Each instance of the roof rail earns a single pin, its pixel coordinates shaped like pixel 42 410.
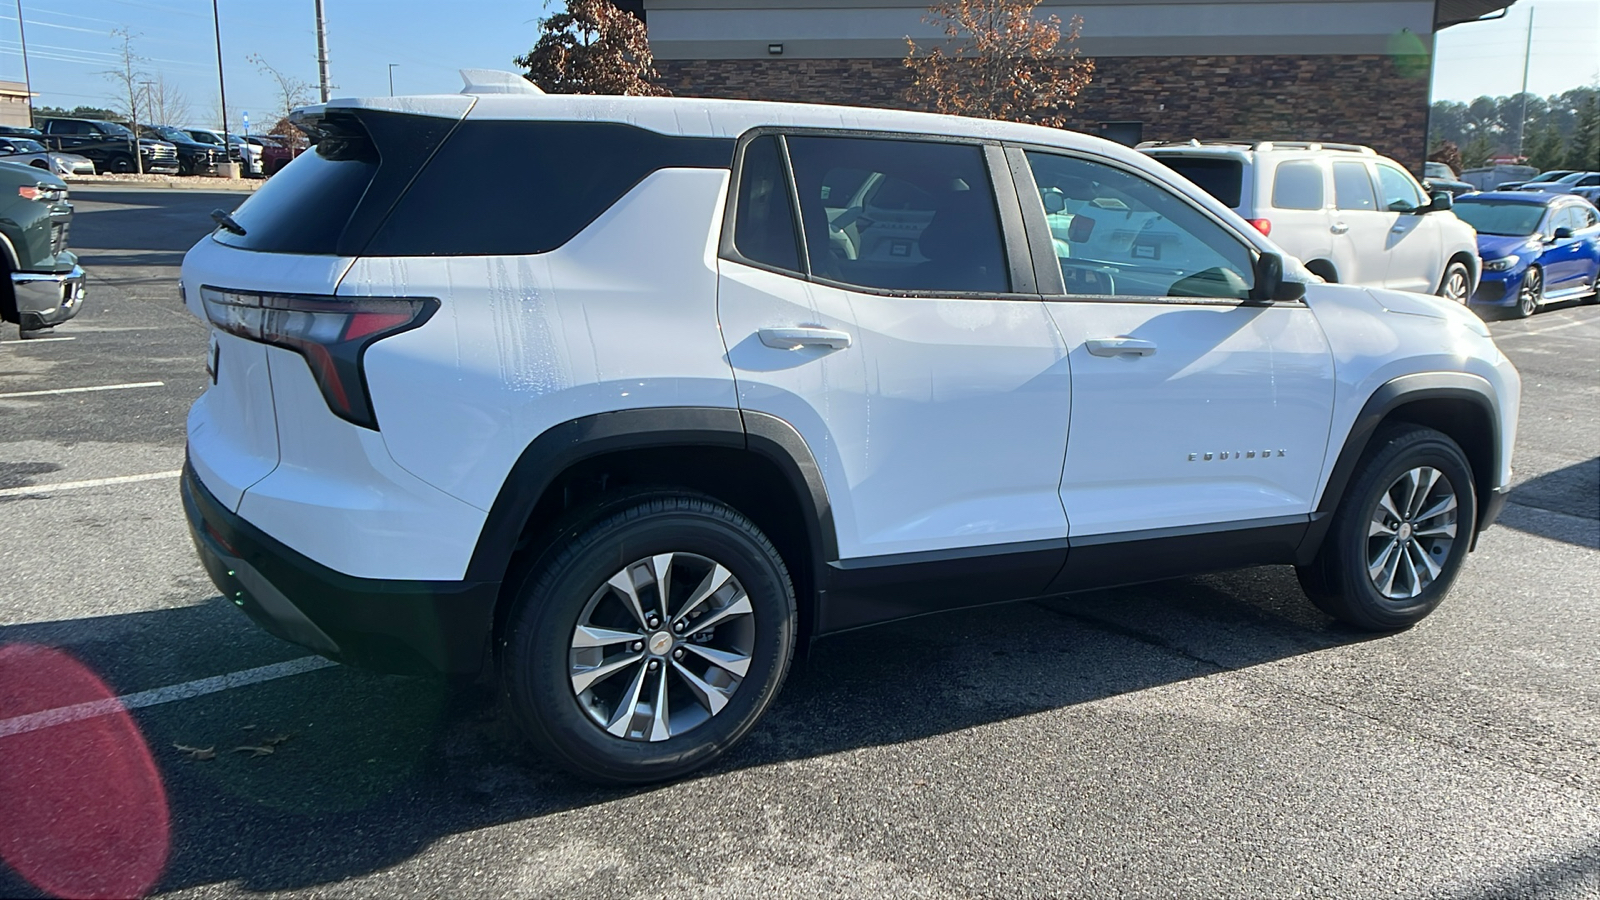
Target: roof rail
pixel 1315 145
pixel 1263 146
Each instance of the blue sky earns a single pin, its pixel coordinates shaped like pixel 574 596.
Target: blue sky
pixel 69 45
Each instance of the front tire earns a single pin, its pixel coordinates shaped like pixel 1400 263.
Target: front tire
pixel 1457 283
pixel 1531 295
pixel 621 682
pixel 1399 535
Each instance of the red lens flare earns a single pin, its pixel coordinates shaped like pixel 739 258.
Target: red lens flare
pixel 85 810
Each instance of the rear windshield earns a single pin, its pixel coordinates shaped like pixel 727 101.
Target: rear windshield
pixel 390 184
pixel 1221 178
pixel 304 208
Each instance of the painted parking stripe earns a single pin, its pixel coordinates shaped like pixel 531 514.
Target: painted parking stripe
pixel 85 390
pixel 37 341
pixel 89 483
pixel 61 715
pixel 1501 337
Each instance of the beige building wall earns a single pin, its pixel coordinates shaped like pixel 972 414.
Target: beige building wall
pixel 14 104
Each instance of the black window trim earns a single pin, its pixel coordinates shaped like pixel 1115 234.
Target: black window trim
pixel 1008 207
pixel 1033 215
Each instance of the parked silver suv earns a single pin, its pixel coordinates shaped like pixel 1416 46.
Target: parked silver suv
pixel 1350 215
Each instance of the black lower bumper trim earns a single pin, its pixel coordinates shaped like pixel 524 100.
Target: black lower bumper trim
pixel 405 627
pixel 1493 504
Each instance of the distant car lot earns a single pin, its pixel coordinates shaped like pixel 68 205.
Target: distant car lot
pixel 1207 737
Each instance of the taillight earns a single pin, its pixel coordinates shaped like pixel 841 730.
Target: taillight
pixel 1262 225
pixel 331 333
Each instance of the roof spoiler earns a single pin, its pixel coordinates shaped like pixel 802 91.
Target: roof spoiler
pixel 494 81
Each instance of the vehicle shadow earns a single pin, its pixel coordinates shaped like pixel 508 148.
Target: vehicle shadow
pixel 373 770
pixel 1572 493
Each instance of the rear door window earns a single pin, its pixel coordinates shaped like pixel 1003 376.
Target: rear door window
pixel 899 215
pixel 1297 185
pixel 1352 187
pixel 1221 178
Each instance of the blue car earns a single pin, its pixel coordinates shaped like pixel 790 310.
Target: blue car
pixel 1536 248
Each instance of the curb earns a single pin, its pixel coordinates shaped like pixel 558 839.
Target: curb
pixel 163 182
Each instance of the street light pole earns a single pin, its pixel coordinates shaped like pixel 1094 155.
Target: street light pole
pixel 27 80
pixel 1527 55
pixel 391 73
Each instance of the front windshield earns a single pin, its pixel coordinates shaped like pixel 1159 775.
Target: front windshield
pixel 1574 178
pixel 205 137
pixel 116 130
pixel 171 134
pixel 1506 219
pixel 24 145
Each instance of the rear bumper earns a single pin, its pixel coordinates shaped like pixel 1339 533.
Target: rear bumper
pixel 45 298
pixel 405 627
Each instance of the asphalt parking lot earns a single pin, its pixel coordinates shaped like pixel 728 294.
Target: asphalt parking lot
pixel 1211 737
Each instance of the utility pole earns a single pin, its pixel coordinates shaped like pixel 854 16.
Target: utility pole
pixel 222 88
pixel 27 80
pixel 322 50
pixel 1527 56
pixel 391 78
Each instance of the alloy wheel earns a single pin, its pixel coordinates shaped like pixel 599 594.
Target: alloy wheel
pixel 662 646
pixel 1531 293
pixel 1411 532
pixel 1455 286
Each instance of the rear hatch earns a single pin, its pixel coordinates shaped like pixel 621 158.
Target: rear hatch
pixel 293 241
pixel 1219 173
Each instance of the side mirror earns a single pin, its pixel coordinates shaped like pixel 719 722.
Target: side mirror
pixel 1442 200
pixel 1270 287
pixel 1563 233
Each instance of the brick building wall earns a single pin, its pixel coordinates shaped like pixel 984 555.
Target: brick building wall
pixel 1363 99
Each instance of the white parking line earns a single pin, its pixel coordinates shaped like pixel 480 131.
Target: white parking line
pixel 61 715
pixel 37 341
pixel 85 390
pixel 89 483
pixel 1501 337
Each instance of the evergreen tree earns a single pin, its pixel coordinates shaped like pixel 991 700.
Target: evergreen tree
pixel 1583 151
pixel 1547 150
pixel 1477 151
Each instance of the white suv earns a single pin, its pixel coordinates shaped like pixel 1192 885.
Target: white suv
pixel 1350 215
pixel 705 379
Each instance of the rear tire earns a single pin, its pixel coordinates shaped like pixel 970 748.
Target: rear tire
pixel 1393 551
pixel 667 700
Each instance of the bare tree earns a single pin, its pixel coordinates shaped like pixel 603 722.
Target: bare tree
pixel 291 91
pixel 165 103
pixel 128 78
pixel 592 48
pixel 999 61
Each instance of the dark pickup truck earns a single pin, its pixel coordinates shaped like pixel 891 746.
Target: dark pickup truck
pixel 110 145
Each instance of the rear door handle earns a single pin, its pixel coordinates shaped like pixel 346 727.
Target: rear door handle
pixel 1120 346
pixel 1339 228
pixel 793 338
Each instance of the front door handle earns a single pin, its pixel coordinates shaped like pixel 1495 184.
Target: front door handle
pixel 1398 229
pixel 794 338
pixel 1339 228
pixel 1120 346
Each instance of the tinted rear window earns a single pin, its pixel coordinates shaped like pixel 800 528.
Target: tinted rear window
pixel 1221 178
pixel 513 187
pixel 304 208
